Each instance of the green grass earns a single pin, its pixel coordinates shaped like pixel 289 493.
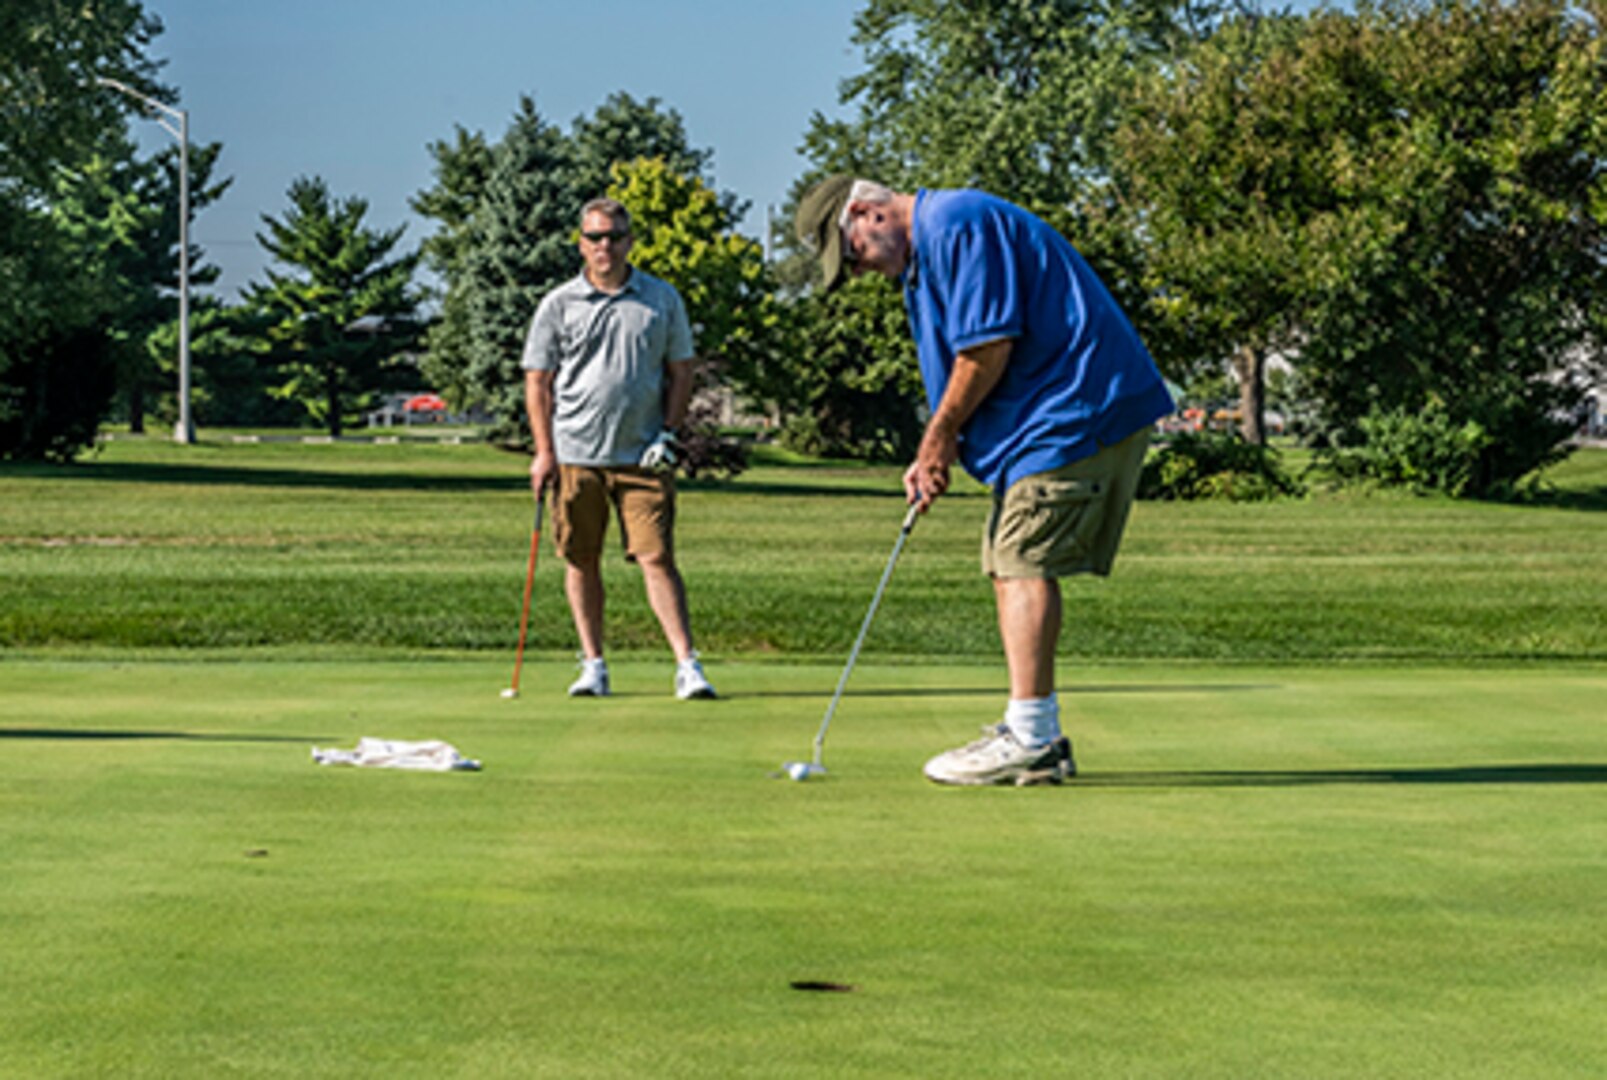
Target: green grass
pixel 1289 871
pixel 1340 811
pixel 358 550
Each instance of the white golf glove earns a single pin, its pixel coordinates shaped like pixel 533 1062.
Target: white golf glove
pixel 662 452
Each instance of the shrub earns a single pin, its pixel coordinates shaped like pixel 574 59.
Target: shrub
pixel 1425 450
pixel 1434 450
pixel 1215 465
pixel 53 400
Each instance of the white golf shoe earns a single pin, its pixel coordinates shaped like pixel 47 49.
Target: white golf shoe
pixel 999 758
pixel 593 681
pixel 690 682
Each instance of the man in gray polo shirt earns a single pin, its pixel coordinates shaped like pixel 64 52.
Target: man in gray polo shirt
pixel 608 376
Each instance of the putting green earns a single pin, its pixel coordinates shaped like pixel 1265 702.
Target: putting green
pixel 1267 871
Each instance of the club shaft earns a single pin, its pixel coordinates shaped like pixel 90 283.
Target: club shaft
pixel 530 580
pixel 864 628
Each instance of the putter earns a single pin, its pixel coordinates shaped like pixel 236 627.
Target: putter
pixel 807 770
pixel 524 616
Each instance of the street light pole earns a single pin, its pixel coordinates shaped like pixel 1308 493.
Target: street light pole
pixel 184 430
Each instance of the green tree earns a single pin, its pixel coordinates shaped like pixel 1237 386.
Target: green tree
pixel 685 234
pixel 624 130
pixel 519 245
pixel 507 214
pixel 1014 96
pixel 340 319
pixel 51 110
pixel 1227 168
pixel 854 387
pixel 119 216
pixel 56 364
pixel 1485 152
pixel 1018 97
pixel 462 169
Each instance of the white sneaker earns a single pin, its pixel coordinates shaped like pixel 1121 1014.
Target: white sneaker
pixel 999 758
pixel 593 681
pixel 690 682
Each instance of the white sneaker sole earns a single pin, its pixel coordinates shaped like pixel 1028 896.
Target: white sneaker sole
pixel 1055 772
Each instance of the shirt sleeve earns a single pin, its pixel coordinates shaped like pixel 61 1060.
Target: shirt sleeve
pixel 544 338
pixel 986 302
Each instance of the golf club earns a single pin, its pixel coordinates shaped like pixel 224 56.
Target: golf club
pixel 805 770
pixel 524 616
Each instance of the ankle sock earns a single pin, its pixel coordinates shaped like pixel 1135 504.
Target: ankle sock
pixel 1034 722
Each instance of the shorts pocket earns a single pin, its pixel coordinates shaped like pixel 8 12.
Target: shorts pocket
pixel 1049 522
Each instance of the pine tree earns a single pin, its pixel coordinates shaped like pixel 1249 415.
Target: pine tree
pixel 520 244
pixel 339 322
pixel 509 216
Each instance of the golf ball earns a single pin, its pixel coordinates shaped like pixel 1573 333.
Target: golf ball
pixel 798 770
pixel 510 692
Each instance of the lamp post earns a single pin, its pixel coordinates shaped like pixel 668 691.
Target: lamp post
pixel 184 431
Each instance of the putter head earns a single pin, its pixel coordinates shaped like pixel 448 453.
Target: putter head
pixel 803 770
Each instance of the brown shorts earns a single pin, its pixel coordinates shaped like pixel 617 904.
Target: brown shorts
pixel 643 499
pixel 1065 521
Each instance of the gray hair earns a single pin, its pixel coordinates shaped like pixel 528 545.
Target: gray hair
pixel 864 191
pixel 613 209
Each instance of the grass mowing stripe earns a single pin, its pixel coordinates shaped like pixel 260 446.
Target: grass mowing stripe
pixel 363 547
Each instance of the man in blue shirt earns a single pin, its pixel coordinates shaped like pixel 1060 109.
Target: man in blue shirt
pixel 1039 387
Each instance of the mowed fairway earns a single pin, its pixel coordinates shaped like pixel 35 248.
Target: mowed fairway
pixel 1284 871
pixel 1343 810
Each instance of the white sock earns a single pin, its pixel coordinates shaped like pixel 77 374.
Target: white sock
pixel 1034 722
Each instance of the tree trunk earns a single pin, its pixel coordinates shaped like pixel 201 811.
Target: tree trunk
pixel 332 400
pixel 1250 365
pixel 136 409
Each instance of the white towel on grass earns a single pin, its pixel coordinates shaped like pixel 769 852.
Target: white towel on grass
pixel 431 755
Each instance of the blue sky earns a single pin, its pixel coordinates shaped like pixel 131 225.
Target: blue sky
pixel 355 90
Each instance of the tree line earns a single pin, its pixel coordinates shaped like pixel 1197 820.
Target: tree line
pixel 1403 202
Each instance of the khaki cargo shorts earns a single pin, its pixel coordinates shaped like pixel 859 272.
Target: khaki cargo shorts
pixel 1065 521
pixel 643 499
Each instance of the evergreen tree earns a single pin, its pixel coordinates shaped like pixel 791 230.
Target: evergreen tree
pixel 508 215
pixel 56 363
pixel 121 220
pixel 624 130
pixel 462 168
pixel 338 323
pixel 520 243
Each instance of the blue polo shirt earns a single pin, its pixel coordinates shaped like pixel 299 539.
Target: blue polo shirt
pixel 1078 377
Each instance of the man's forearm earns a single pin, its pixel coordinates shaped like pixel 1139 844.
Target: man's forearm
pixel 538 408
pixel 678 392
pixel 976 372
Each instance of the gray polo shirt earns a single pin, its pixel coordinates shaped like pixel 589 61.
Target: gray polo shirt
pixel 609 352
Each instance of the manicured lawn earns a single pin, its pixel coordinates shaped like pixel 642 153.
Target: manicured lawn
pixel 1340 811
pixel 1266 871
pixel 373 550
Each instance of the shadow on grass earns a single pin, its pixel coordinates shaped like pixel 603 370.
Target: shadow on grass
pixel 1594 500
pixel 1457 774
pixel 854 487
pixel 88 735
pixel 1002 687
pixel 200 474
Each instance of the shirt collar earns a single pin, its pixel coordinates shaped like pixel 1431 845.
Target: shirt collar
pixel 629 286
pixel 911 277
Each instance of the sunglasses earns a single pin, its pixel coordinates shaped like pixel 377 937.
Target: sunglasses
pixel 615 235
